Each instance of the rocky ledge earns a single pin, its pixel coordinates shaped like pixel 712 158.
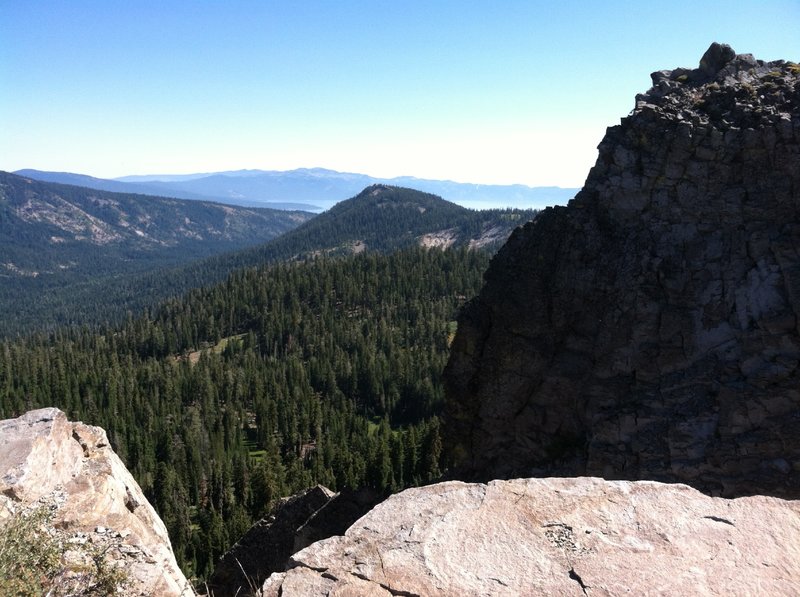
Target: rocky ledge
pixel 581 536
pixel 649 330
pixel 69 470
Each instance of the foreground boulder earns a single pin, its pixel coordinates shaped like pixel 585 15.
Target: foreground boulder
pixel 582 536
pixel 649 330
pixel 93 503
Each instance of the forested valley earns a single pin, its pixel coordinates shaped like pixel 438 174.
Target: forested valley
pixel 71 254
pixel 49 279
pixel 321 371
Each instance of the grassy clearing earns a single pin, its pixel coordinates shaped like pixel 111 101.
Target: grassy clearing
pixel 217 348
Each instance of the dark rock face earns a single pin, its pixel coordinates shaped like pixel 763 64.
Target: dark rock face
pixel 265 548
pixel 649 330
pixel 295 523
pixel 715 58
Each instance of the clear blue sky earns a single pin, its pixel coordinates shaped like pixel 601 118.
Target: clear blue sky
pixel 488 92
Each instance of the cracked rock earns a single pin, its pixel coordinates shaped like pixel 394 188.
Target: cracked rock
pixel 581 536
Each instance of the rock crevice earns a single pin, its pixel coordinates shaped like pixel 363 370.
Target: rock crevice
pixel 294 523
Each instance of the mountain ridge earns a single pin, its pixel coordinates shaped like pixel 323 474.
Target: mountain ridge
pixel 316 189
pixel 68 216
pixel 155 188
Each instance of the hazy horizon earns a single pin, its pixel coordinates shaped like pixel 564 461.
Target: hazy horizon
pixel 165 176
pixel 514 93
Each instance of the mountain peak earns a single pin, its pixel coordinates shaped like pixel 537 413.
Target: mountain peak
pixel 383 218
pixel 728 89
pixel 399 194
pixel 377 189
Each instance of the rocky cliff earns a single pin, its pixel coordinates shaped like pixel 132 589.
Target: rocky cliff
pixel 649 330
pixel 97 519
pixel 556 537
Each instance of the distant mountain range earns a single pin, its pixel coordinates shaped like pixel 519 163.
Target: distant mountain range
pixel 311 189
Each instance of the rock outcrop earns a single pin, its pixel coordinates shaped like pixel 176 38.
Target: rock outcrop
pixel 649 330
pixel 578 537
pixel 70 469
pixel 294 523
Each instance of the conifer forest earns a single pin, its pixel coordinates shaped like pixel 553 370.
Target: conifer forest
pixel 284 376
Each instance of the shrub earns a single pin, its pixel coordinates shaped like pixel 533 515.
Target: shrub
pixel 33 562
pixel 30 557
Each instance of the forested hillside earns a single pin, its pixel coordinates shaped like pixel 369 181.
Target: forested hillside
pixel 384 218
pixel 47 229
pixel 56 240
pixel 322 371
pixel 380 219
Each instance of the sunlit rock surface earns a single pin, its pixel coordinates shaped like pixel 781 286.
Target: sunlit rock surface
pixel 580 536
pixel 70 468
